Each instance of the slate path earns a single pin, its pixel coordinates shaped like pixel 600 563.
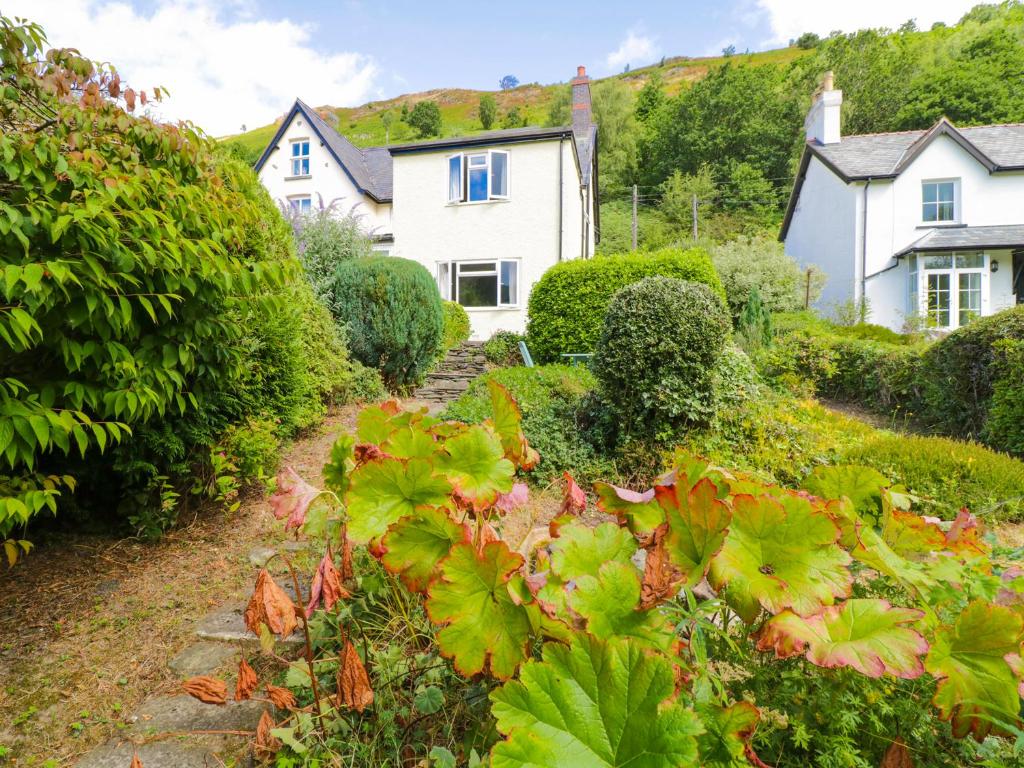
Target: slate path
pixel 175 731
pixel 451 378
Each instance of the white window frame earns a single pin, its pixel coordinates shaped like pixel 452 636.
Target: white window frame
pixel 464 169
pixel 300 158
pixel 924 272
pixel 447 275
pixel 296 203
pixel 937 222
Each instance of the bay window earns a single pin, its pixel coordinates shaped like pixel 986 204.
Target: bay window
pixel 300 157
pixel 479 284
pixel 953 286
pixel 476 177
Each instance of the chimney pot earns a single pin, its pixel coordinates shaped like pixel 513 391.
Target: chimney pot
pixel 581 71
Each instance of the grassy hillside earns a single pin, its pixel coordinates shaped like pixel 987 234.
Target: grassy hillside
pixel 364 127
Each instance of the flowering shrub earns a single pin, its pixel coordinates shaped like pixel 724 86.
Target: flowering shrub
pixel 588 658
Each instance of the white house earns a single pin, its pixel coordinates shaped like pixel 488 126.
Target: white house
pixel 487 214
pixel 924 224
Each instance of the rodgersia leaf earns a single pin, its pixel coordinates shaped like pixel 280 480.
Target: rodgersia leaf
pixel 416 544
pixel 976 682
pixel 508 424
pixel 483 625
pixel 384 490
pixel 697 522
pixel 638 511
pixel 610 604
pixel 580 550
pixel 594 703
pixel 861 485
pixel 871 636
pixel 780 553
pixel 728 731
pixel 476 467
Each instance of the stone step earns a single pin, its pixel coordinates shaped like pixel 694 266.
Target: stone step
pixel 228 626
pixel 158 754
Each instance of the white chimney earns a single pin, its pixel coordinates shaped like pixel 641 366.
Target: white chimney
pixel 822 122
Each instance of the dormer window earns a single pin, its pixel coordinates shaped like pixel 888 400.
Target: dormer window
pixel 938 201
pixel 300 157
pixel 476 177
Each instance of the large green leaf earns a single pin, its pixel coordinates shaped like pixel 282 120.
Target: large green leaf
pixel 476 466
pixel 780 553
pixel 483 625
pixel 597 704
pixel 610 604
pixel 384 490
pixel 871 636
pixel 697 523
pixel 581 550
pixel 861 485
pixel 638 511
pixel 977 684
pixel 508 424
pixel 415 545
pixel 728 731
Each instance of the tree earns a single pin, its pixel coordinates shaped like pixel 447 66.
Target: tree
pixel 387 118
pixel 488 111
pixel 650 98
pixel 677 195
pixel 807 41
pixel 513 119
pixel 508 82
pixel 729 50
pixel 614 114
pixel 425 119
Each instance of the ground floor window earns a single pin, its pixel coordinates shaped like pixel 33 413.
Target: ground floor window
pixel 947 288
pixel 301 203
pixel 480 283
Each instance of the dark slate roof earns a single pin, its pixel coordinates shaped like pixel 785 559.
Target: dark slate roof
pixel 371 170
pixel 504 136
pixel 886 155
pixel 968 239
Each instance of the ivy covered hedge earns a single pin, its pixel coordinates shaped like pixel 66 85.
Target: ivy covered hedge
pixel 149 293
pixel 567 305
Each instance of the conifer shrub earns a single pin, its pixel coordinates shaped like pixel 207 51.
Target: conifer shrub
pixel 658 347
pixel 568 304
pixel 456 325
pixel 394 315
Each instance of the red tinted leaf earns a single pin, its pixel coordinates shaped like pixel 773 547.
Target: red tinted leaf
pixel 964 535
pixel 574 501
pixel 514 499
pixel 292 499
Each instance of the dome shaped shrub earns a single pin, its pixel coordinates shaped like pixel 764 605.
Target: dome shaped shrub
pixel 393 311
pixel 659 343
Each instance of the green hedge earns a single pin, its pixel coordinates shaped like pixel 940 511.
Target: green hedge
pixel 567 305
pixel 456 325
pixel 393 311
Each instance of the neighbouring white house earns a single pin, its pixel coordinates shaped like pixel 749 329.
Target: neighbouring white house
pixel 926 225
pixel 486 214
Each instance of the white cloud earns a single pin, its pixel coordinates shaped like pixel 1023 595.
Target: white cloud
pixel 637 48
pixel 789 19
pixel 221 72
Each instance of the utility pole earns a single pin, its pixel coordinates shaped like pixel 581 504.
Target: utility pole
pixel 695 218
pixel 635 196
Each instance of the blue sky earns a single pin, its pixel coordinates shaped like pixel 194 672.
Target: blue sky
pixel 230 63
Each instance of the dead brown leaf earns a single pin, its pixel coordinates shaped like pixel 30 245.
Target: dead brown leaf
pixel 208 690
pixel 266 745
pixel 282 697
pixel 354 689
pixel 247 681
pixel 270 605
pixel 136 763
pixel 897 756
pixel 661 578
pixel 327 586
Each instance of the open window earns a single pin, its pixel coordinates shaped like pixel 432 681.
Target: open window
pixel 476 177
pixel 480 284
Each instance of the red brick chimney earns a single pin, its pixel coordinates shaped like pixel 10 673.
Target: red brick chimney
pixel 582 114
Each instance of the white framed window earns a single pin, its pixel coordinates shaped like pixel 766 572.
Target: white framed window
pixel 477 177
pixel 301 203
pixel 300 157
pixel 480 284
pixel 938 201
pixel 952 287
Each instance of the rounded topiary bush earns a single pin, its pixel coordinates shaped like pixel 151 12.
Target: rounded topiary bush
pixel 659 343
pixel 393 311
pixel 568 303
pixel 456 325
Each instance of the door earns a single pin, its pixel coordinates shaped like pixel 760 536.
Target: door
pixel 1018 275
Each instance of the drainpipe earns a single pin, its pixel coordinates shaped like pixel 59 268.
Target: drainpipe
pixel 864 247
pixel 561 201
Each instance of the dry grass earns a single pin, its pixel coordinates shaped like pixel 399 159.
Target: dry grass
pixel 88 623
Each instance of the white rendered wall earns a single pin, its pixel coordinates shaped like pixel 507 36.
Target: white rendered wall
pixel 822 233
pixel 327 178
pixel 525 227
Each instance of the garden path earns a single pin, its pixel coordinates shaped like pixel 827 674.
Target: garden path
pixel 451 378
